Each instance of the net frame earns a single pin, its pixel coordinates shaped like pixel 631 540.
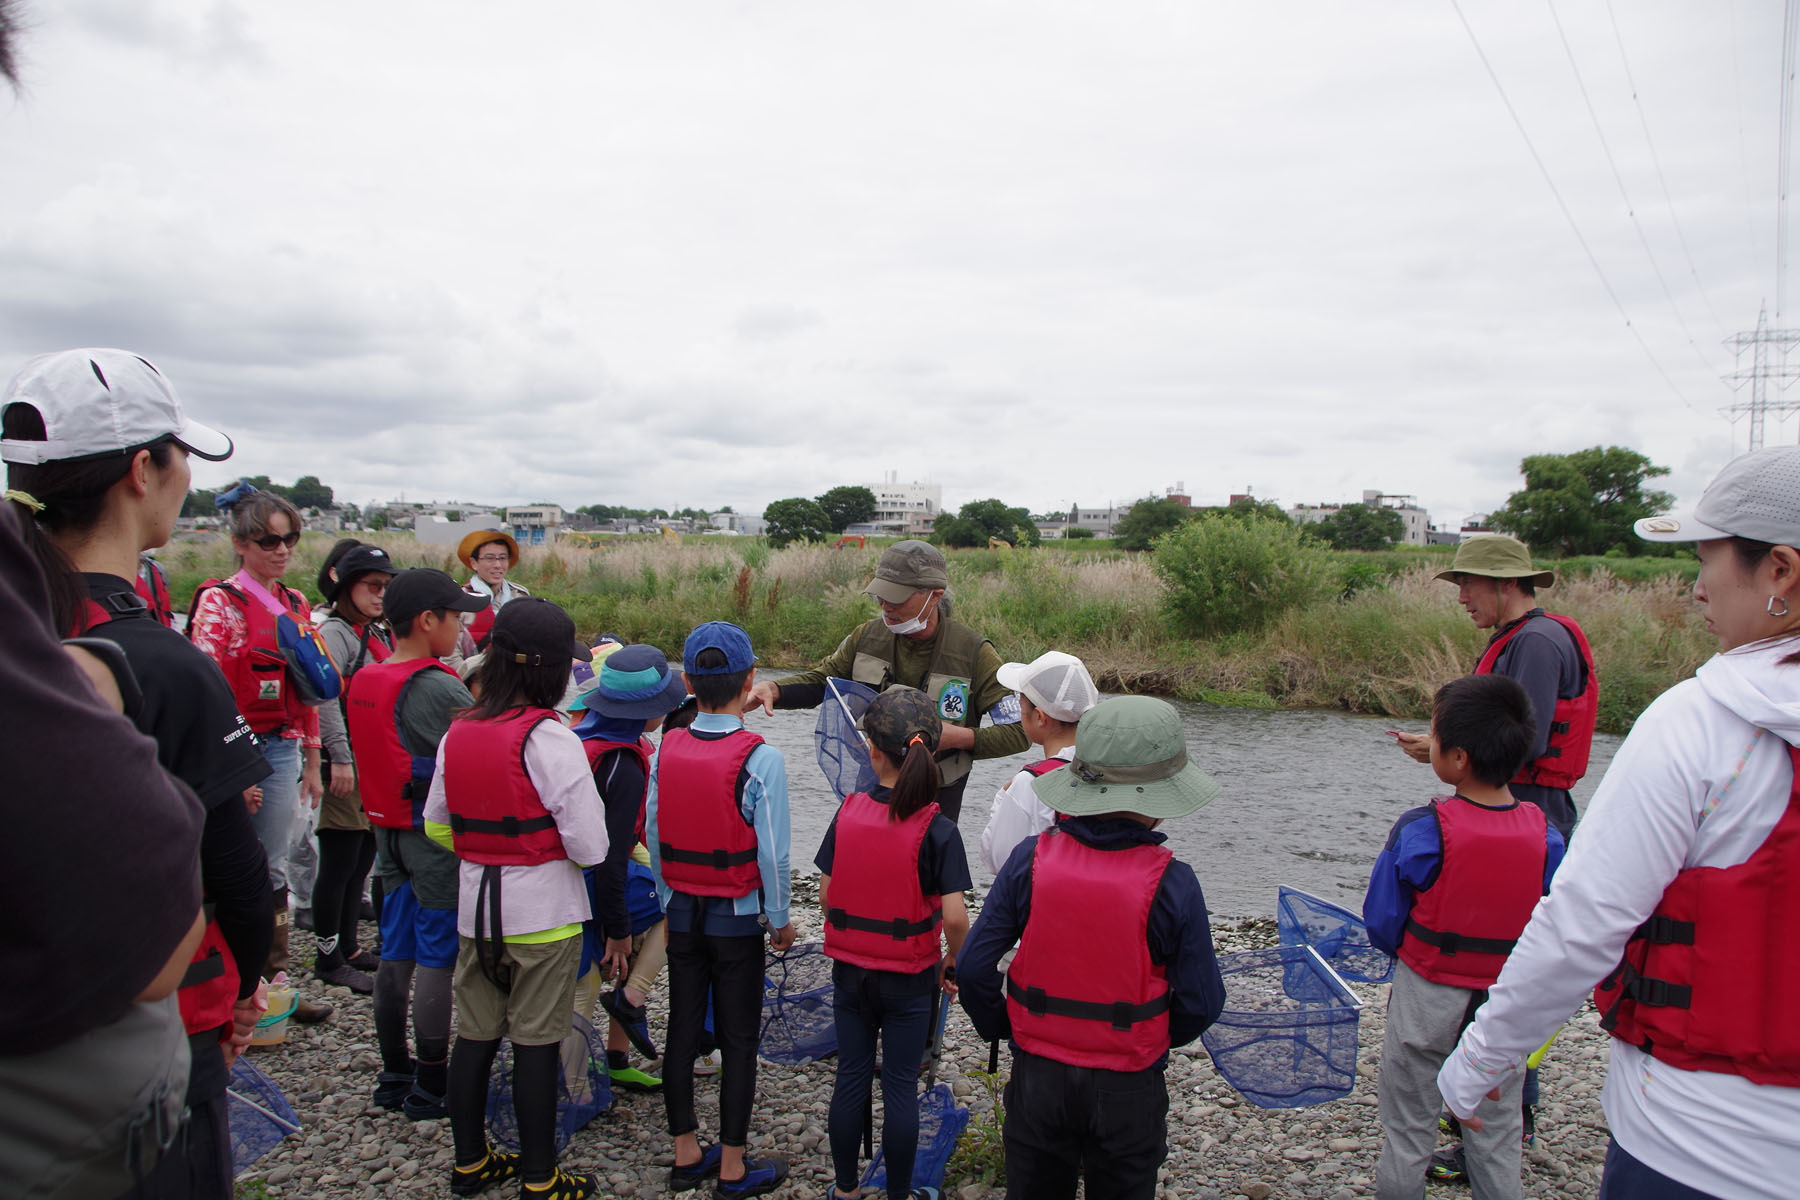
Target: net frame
pixel 1287 1037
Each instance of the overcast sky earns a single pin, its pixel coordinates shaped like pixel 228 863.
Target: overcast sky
pixel 723 253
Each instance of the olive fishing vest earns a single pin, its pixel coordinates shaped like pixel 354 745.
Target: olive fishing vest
pixel 950 680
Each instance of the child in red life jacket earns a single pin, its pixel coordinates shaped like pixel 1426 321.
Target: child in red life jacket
pixel 1053 689
pixel 513 795
pixel 396 713
pixel 1115 962
pixel 632 692
pixel 899 876
pixel 1449 894
pixel 718 838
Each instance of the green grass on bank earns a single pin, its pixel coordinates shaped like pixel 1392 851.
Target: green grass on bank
pixel 1380 638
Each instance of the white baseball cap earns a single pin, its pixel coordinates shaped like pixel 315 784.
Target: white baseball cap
pixel 96 402
pixel 1756 496
pixel 1057 683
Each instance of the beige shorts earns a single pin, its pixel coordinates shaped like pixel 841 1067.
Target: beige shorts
pixel 536 1011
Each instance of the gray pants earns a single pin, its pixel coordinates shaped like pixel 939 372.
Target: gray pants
pixel 1423 1022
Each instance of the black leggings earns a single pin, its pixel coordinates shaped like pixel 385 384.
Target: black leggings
pixel 345 856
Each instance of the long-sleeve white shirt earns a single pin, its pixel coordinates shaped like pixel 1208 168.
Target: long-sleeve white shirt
pixel 548 895
pixel 1700 782
pixel 1017 814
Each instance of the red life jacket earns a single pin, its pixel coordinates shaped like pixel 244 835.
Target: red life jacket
pixel 497 818
pixel 153 585
pixel 1491 876
pixel 598 748
pixel 879 917
pixel 1708 982
pixel 482 624
pixel 1565 757
pixel 208 989
pixel 1044 766
pixel 393 782
pixel 1082 989
pixel 697 794
pixel 258 677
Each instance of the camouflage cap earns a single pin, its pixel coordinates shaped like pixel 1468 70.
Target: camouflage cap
pixel 898 715
pixel 908 567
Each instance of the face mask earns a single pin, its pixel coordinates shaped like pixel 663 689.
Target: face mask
pixel 913 625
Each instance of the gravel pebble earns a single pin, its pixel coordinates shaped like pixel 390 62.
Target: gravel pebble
pixel 1219 1145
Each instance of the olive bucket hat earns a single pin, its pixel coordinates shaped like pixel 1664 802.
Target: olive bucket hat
pixel 1130 756
pixel 1495 556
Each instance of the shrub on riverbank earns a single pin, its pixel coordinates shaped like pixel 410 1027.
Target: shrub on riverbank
pixel 1380 646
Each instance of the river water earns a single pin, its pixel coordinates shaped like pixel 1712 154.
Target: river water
pixel 1307 798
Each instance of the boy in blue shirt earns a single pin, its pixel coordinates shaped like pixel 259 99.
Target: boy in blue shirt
pixel 1449 895
pixel 717 831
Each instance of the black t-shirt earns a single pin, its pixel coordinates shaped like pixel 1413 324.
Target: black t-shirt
pixel 202 740
pixel 943 864
pixel 188 707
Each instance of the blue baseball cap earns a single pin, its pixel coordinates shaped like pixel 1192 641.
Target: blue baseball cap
pixel 724 637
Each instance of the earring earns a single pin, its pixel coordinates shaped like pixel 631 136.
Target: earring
pixel 1770 606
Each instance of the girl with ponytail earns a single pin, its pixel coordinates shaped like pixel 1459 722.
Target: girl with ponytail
pixel 898 896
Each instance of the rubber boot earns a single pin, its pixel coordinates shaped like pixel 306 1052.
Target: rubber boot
pixel 306 1012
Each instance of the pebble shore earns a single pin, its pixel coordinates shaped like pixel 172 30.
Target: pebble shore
pixel 1220 1145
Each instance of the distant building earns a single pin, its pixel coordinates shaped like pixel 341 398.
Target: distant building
pixel 433 530
pixel 535 524
pixel 1100 520
pixel 1415 520
pixel 906 509
pixel 744 524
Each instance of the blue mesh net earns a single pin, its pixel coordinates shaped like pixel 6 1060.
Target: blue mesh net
pixel 583 1091
pixel 842 755
pixel 1338 934
pixel 798 1026
pixel 1287 1037
pixel 941 1122
pixel 260 1115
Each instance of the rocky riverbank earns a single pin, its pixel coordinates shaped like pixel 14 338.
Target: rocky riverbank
pixel 1220 1146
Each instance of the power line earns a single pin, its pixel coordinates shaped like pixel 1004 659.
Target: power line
pixel 1630 209
pixel 1790 27
pixel 1656 159
pixel 1737 95
pixel 1568 216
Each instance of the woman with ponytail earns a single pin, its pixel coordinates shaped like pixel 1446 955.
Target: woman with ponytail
pixel 97 450
pixel 900 875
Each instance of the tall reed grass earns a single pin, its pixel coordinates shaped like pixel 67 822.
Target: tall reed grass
pixel 1382 648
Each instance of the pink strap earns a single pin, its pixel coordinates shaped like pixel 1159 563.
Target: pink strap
pixel 243 580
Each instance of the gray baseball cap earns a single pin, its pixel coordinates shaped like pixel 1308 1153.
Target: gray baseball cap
pixel 908 567
pixel 1756 496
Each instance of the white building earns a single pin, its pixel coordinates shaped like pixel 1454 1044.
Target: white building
pixel 1415 520
pixel 535 524
pixel 1100 520
pixel 906 509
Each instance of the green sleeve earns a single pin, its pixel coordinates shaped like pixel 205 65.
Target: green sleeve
pixel 432 702
pixel 993 741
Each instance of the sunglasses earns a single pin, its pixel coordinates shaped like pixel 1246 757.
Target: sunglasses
pixel 269 541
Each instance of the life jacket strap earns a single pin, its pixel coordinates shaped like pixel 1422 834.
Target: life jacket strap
pixel 508 826
pixel 204 971
pixel 1119 1015
pixel 1456 943
pixel 1666 931
pixel 718 859
pixel 899 928
pixel 1657 993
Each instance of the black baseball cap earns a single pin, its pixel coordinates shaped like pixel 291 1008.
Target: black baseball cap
pixel 423 589
pixel 536 632
pixel 363 560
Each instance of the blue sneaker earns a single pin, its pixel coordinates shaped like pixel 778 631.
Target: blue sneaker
pixel 761 1176
pixel 686 1179
pixel 632 1018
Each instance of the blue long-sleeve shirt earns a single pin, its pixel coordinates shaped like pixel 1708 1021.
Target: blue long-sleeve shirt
pixel 1410 863
pixel 1178 933
pixel 764 803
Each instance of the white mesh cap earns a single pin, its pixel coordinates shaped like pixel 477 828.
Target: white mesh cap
pixel 1756 496
pixel 1057 683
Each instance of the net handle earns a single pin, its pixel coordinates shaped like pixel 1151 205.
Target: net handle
pixel 290 1126
pixel 1330 971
